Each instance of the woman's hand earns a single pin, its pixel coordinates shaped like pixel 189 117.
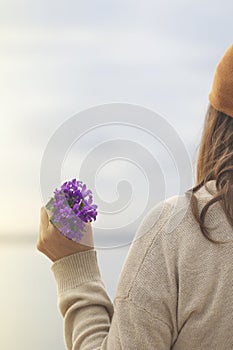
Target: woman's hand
pixel 56 246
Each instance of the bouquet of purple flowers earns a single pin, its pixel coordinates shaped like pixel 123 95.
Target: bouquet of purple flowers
pixel 70 208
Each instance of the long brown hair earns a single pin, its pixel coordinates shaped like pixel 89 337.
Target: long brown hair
pixel 215 162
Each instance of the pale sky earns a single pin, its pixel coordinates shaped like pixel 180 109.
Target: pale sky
pixel 58 58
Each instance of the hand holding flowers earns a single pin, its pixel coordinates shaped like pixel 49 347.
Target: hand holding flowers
pixel 68 229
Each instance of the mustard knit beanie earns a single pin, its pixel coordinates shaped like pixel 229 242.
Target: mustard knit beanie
pixel 221 95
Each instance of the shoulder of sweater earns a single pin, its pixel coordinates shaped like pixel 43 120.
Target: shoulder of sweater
pixel 164 215
pixel 168 226
pixel 177 218
pixel 174 217
pixel 177 209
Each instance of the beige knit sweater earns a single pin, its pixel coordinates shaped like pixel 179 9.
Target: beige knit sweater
pixel 175 290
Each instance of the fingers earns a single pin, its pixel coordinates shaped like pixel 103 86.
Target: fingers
pixel 55 245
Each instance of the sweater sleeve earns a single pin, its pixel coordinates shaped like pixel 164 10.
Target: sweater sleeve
pixel 83 301
pixel 142 313
pixel 91 321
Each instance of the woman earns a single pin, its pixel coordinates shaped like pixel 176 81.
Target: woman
pixel 175 290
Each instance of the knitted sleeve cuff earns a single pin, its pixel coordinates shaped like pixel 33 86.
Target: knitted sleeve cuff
pixel 76 269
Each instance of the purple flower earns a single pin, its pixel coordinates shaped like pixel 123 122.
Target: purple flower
pixel 71 207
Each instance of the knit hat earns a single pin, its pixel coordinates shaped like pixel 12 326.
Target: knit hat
pixel 221 95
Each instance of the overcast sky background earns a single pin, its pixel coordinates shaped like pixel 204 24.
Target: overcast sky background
pixel 58 58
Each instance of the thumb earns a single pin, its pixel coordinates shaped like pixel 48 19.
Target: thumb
pixel 44 218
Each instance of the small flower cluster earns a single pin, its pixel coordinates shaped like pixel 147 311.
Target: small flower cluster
pixel 71 207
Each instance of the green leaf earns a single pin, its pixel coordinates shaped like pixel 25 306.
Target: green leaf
pixel 81 206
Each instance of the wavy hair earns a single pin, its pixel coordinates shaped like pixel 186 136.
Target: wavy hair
pixel 215 162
